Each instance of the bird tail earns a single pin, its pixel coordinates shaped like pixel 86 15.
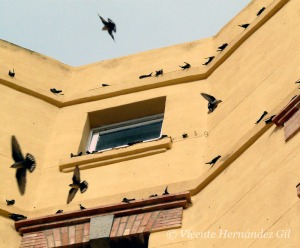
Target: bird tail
pixel 83 186
pixel 30 162
pixel 208 163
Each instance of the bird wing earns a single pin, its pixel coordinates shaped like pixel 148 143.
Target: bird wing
pixel 111 34
pixel 21 179
pixel 71 195
pixel 103 20
pixel 76 175
pixel 16 150
pixel 208 97
pixel 29 162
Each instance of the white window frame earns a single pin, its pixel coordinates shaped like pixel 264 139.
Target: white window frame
pixel 94 134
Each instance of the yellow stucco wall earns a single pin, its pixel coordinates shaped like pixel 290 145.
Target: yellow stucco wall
pixel 256 191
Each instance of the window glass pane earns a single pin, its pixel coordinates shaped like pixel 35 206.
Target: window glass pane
pixel 129 135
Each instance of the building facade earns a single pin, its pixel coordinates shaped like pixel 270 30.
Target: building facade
pixel 246 199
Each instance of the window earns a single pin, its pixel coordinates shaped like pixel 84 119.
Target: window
pixel 126 133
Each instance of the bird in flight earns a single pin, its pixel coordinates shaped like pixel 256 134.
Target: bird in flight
pixel 77 184
pixel 109 26
pixel 214 160
pixel 21 164
pixel 212 102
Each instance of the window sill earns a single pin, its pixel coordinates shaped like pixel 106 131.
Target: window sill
pixel 116 155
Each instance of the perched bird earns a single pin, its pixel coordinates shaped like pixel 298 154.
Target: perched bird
pixel 105 85
pixel 10 202
pixel 17 217
pixel 55 91
pixel 262 116
pixel 209 60
pixel 244 25
pixel 21 164
pixel 109 26
pixel 260 11
pixel 184 135
pixel 222 47
pixel 144 76
pixel 270 119
pixel 77 184
pixel 157 73
pixel 81 207
pixel 11 73
pixel 78 155
pixel 212 102
pixel 126 200
pixel 166 191
pixel 214 160
pixel 59 211
pixel 186 66
pixel 155 195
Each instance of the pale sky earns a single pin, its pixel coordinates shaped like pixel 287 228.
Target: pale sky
pixel 70 30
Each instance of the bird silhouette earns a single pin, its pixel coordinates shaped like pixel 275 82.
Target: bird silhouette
pixel 270 119
pixel 144 76
pixel 78 155
pixel 209 59
pixel 81 207
pixel 109 26
pixel 126 200
pixel 246 25
pixel 184 135
pixel 186 66
pixel 160 72
pixel 105 85
pixel 214 160
pixel 59 211
pixel 260 11
pixel 166 191
pixel 222 47
pixel 21 164
pixel 17 217
pixel 155 195
pixel 262 116
pixel 55 91
pixel 77 184
pixel 10 202
pixel 212 102
pixel 11 73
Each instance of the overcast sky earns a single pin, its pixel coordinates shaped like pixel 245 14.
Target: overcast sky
pixel 71 31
